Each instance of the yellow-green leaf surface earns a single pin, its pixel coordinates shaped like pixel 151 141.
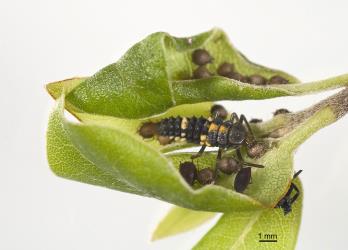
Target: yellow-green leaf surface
pixel 129 160
pixel 243 230
pixel 66 161
pixel 111 148
pixel 156 74
pixel 180 220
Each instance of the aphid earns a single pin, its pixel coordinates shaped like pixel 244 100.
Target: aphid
pixel 257 80
pixel 286 202
pixel 277 80
pixel 229 165
pixel 201 57
pixel 255 150
pixel 188 171
pixel 225 69
pixel 164 140
pixel 242 180
pixel 236 76
pixel 218 110
pixel 206 176
pixel 148 129
pixel 281 111
pixel 255 120
pixel 201 72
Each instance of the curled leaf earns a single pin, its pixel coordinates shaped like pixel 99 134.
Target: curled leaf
pixel 128 159
pixel 264 229
pixel 109 145
pixel 146 73
pixel 157 74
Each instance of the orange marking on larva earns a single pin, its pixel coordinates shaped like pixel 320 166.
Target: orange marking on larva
pixel 203 139
pixel 213 127
pixel 184 123
pixel 223 129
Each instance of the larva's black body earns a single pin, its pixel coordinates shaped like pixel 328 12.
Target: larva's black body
pixel 184 128
pixel 203 131
pixel 209 132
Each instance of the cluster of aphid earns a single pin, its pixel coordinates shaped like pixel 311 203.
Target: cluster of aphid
pixel 215 131
pixel 201 57
pixel 227 165
pixel 218 131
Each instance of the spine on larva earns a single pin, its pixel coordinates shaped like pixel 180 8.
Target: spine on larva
pixel 192 129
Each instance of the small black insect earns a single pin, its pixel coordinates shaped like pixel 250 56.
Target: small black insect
pixel 201 72
pixel 255 120
pixel 218 110
pixel 257 80
pixel 188 171
pixel 206 176
pixel 201 57
pixel 286 202
pixel 281 111
pixel 236 76
pixel 225 69
pixel 148 129
pixel 229 165
pixel 255 150
pixel 242 180
pixel 277 80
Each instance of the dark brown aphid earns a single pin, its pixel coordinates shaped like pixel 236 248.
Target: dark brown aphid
pixel 218 110
pixel 257 80
pixel 201 57
pixel 236 76
pixel 225 69
pixel 255 120
pixel 256 150
pixel 148 129
pixel 278 80
pixel 228 165
pixel 239 77
pixel 188 171
pixel 281 111
pixel 201 72
pixel 206 176
pixel 242 180
pixel 164 140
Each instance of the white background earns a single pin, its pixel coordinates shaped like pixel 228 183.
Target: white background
pixel 44 41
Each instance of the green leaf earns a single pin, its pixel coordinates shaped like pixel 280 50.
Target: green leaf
pixel 146 72
pixel 109 146
pixel 66 161
pixel 218 88
pixel 156 75
pixel 243 229
pixel 141 166
pixel 179 220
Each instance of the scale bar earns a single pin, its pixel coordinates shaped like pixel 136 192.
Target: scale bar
pixel 268 240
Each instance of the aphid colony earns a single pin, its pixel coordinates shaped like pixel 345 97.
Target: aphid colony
pixel 218 131
pixel 214 131
pixel 201 57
